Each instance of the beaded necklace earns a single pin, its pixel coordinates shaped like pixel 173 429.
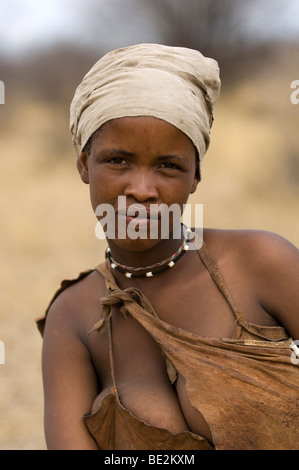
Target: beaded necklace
pixel 133 272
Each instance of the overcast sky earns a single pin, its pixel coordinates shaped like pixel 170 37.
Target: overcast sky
pixel 30 24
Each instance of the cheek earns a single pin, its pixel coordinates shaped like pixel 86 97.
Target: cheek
pixel 182 190
pixel 103 190
pixel 99 191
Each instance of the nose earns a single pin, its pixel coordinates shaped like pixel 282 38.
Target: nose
pixel 142 186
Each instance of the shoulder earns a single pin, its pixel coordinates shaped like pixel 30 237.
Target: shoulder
pixel 75 301
pixel 69 375
pixel 266 264
pixel 255 247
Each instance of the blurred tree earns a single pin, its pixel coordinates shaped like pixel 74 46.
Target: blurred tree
pixel 52 73
pixel 213 26
pixel 221 29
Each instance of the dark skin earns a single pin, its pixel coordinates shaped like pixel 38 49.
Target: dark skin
pixel 154 163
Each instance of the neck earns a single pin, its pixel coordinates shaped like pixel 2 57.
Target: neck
pixel 143 270
pixel 141 255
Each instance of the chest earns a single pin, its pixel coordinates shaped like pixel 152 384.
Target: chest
pixel 195 305
pixel 128 355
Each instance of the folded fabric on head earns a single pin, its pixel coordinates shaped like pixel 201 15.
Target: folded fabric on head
pixel 175 84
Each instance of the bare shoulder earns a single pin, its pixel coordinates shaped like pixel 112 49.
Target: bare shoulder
pixel 253 246
pixel 267 265
pixel 77 304
pixel 69 376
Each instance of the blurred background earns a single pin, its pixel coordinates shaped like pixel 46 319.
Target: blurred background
pixel 250 174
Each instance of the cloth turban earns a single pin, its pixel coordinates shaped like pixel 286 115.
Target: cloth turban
pixel 176 84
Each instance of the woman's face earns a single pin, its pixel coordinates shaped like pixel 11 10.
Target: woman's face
pixel 147 161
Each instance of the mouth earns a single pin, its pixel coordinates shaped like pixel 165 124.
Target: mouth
pixel 139 213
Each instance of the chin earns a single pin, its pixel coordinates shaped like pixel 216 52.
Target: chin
pixel 137 245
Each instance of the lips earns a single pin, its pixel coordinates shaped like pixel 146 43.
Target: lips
pixel 139 211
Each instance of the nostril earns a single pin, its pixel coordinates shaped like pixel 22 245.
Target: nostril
pixel 141 189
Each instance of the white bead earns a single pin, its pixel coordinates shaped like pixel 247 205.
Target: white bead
pixel 186 247
pixel 188 232
pixel 149 274
pixel 171 264
pixel 113 265
pixel 295 348
pixel 128 274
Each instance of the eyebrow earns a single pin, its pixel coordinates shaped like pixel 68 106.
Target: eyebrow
pixel 124 153
pixel 113 152
pixel 172 157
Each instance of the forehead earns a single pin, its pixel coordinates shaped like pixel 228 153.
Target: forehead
pixel 143 131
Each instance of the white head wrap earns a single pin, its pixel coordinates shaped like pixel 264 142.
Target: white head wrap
pixel 176 84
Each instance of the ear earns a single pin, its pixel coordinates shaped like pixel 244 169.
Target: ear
pixel 195 183
pixel 197 175
pixel 82 165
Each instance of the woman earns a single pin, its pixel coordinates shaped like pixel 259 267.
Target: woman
pixel 196 347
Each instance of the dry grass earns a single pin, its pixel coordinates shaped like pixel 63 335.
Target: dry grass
pixel 47 231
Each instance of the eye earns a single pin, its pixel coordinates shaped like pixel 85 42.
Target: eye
pixel 117 161
pixel 170 166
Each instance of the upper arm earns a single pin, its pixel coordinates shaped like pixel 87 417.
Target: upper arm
pixel 276 268
pixel 70 383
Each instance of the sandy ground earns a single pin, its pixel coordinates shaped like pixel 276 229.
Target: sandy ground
pixel 48 227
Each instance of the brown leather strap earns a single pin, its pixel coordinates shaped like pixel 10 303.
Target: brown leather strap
pixel 215 273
